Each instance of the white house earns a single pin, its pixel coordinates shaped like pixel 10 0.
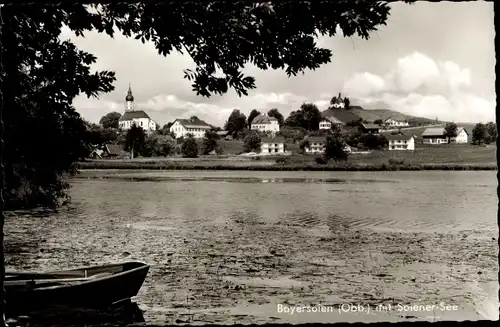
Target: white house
pixel 389 122
pixel 272 145
pixel 401 142
pixel 325 124
pixel 265 123
pixel 182 127
pixel 138 117
pixel 435 135
pixel 316 144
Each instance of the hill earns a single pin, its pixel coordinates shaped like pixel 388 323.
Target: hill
pixel 357 112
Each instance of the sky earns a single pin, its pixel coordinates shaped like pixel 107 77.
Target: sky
pixel 433 60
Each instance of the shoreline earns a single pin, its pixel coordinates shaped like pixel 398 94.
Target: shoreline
pixel 271 166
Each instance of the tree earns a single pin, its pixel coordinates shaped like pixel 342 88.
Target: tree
pixel 252 142
pixel 42 75
pixel 304 144
pixel 450 130
pixel 371 141
pixel 194 118
pixel 135 141
pixel 110 120
pixel 378 122
pixel 236 122
pixel 491 132
pixel 308 117
pixel 254 113
pixel 347 103
pixel 276 114
pixel 210 141
pixel 158 145
pixel 189 147
pixel 335 148
pixel 479 133
pixel 98 136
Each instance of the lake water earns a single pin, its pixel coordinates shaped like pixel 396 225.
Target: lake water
pixel 187 222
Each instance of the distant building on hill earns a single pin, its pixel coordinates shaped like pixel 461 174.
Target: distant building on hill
pixel 390 122
pixel 138 117
pixel 182 127
pixel 370 128
pixel 265 123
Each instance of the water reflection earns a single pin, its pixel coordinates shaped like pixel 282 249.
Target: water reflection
pixel 125 314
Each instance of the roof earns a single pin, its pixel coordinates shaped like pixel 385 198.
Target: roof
pixel 439 131
pixel 187 123
pixel 399 137
pixel 266 139
pixel 134 114
pixel 222 133
pixel 263 119
pixel 371 126
pixel 115 149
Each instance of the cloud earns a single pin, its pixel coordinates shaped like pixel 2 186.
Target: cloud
pixel 421 86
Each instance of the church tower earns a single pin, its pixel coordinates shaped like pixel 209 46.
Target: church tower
pixel 129 100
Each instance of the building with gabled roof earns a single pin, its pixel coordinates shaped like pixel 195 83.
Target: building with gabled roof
pixel 401 142
pixel 436 135
pixel 272 145
pixel 195 127
pixel 135 117
pixel 265 123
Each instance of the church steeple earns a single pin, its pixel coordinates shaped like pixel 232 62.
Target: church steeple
pixel 129 99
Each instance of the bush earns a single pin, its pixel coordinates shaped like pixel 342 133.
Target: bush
pixel 189 148
pixel 282 160
pixel 393 161
pixel 256 158
pixel 321 160
pixel 252 142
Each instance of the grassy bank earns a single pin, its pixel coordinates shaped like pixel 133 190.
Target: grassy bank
pixel 270 166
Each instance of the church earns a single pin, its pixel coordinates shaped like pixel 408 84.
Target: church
pixel 138 117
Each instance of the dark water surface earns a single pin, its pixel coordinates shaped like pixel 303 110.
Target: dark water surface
pixel 227 246
pixel 396 200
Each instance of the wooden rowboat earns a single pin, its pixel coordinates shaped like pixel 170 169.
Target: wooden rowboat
pixel 91 287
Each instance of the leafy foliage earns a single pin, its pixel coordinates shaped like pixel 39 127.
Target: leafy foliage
pixel 276 114
pixel 235 123
pixel 210 141
pixel 379 122
pixel 158 145
pixel 189 147
pixel 491 132
pixel 135 141
pixel 308 117
pixel 450 130
pixel 371 141
pixel 335 148
pixel 252 142
pixel 42 75
pixel 110 120
pixel 479 133
pixel 254 113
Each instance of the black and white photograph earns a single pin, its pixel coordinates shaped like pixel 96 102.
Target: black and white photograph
pixel 248 162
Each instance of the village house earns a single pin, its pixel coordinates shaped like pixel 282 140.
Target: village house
pixel 435 135
pixel 316 144
pixel 115 151
pixel 401 142
pixel 272 145
pixel 265 123
pixel 195 127
pixel 225 135
pixel 389 122
pixel 370 128
pixel 325 124
pixel 132 117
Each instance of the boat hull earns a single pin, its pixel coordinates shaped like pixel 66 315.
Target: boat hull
pixel 91 293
